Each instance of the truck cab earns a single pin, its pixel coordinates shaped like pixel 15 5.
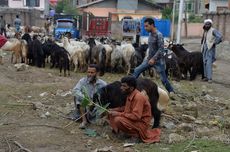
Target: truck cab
pixel 63 26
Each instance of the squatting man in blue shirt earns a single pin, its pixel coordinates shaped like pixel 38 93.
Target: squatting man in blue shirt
pixel 90 85
pixel 155 57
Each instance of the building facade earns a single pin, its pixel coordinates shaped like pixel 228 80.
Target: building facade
pixel 218 5
pixel 119 9
pixel 24 4
pixel 32 12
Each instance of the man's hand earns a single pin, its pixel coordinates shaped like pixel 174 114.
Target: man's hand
pixel 114 113
pixel 151 61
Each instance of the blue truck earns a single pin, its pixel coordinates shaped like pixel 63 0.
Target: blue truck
pixel 66 24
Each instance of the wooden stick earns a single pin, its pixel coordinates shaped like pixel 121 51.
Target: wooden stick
pixel 21 113
pixel 7 143
pixel 190 143
pixel 8 104
pixel 74 120
pixel 21 147
pixel 44 125
pixel 169 116
pixel 15 97
pixel 4 115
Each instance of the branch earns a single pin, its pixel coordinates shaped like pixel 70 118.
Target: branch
pixel 15 97
pixel 49 126
pixel 7 143
pixel 99 106
pixel 21 147
pixel 21 113
pixel 75 120
pixel 6 104
pixel 91 102
pixel 190 143
pixel 171 117
pixel 4 115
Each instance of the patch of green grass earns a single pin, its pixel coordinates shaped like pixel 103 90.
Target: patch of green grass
pixel 197 145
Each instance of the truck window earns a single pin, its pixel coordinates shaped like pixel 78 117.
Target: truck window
pixel 62 24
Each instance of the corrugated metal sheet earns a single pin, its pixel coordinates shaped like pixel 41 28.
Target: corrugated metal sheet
pixel 127 4
pixel 162 25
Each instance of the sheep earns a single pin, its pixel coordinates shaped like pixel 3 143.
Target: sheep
pixel 191 62
pixel 117 59
pixel 37 52
pixel 13 45
pixel 76 54
pixel 24 49
pixel 36 29
pixel 85 47
pixel 98 55
pixel 172 65
pixel 109 51
pixel 127 50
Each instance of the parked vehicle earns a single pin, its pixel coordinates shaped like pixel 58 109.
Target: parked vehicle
pixel 95 25
pixel 130 28
pixel 66 24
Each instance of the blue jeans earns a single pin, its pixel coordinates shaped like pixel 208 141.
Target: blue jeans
pixel 160 68
pixel 17 28
pixel 208 56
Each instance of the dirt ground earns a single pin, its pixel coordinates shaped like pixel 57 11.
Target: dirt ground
pixel 34 103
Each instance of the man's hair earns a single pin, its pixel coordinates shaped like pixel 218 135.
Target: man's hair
pixel 130 81
pixel 150 21
pixel 94 66
pixel 17 16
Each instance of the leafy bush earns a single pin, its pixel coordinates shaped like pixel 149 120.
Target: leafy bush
pixel 195 18
pixel 66 7
pixel 167 13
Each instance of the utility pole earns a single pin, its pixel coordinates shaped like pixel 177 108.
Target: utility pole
pixel 173 20
pixel 181 8
pixel 46 10
pixel 74 3
pixel 185 23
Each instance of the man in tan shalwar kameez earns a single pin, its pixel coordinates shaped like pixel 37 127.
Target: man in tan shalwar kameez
pixel 135 117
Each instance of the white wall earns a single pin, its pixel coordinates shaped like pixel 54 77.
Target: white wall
pixel 21 4
pixel 216 3
pixel 15 4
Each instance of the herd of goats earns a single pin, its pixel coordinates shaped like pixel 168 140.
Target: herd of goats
pixel 110 55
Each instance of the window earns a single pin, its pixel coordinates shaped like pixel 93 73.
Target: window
pixel 221 8
pixel 3 2
pixel 64 24
pixel 32 3
pixel 188 5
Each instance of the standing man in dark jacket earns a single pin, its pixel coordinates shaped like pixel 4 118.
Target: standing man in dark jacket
pixel 155 57
pixel 17 23
pixel 2 26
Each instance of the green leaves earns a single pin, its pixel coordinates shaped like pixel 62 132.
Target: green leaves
pixel 66 7
pixel 86 101
pixel 90 132
pixel 100 111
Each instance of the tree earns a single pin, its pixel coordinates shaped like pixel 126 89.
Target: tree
pixel 167 13
pixel 66 7
pixel 151 1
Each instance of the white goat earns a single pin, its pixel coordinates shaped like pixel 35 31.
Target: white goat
pixel 76 54
pixel 127 50
pixel 116 58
